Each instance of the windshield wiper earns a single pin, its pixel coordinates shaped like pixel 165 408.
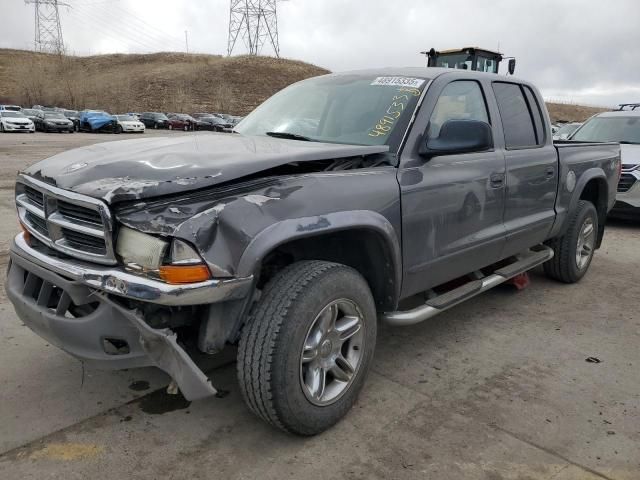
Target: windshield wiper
pixel 289 136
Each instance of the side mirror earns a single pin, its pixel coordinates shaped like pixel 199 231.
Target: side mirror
pixel 458 136
pixel 512 66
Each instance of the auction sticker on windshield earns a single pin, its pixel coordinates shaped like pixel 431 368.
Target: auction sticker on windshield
pixel 399 82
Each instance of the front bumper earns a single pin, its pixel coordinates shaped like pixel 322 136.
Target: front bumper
pixel 18 128
pixel 630 181
pixel 59 128
pixel 59 301
pixel 132 129
pixel 124 284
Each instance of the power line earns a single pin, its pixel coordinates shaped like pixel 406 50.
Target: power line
pixel 124 26
pixel 256 22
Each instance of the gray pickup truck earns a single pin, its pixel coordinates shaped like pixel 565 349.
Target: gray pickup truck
pixel 343 200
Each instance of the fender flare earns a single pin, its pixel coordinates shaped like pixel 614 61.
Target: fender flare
pixel 288 230
pixel 586 177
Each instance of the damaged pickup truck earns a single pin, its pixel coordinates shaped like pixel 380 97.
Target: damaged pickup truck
pixel 343 200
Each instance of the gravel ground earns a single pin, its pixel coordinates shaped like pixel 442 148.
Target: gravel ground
pixel 497 388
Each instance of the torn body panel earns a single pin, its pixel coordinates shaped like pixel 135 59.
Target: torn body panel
pixel 223 227
pixel 161 346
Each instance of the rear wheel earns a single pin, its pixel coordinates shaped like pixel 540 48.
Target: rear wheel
pixel 307 347
pixel 574 250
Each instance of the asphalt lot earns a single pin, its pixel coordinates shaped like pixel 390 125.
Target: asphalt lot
pixel 497 388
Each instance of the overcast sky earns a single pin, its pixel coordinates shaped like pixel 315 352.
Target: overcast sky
pixel 584 51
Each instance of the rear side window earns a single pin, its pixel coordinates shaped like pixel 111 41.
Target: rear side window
pixel 536 113
pixel 517 120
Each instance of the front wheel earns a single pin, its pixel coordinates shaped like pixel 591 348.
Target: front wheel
pixel 574 251
pixel 307 347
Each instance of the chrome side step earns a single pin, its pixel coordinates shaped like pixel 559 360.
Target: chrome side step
pixel 524 262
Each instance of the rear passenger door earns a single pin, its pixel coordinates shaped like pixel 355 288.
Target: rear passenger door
pixel 532 167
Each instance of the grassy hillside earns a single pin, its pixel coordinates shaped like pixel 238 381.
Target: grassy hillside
pixel 134 82
pixel 164 82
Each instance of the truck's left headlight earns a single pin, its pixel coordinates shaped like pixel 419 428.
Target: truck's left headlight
pixel 181 265
pixel 140 249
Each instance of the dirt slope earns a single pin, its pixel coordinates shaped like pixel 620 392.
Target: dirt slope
pixel 134 82
pixel 164 82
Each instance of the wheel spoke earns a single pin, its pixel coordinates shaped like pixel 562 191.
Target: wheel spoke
pixel 342 370
pixel 327 319
pixel 315 381
pixel 587 230
pixel 309 353
pixel 348 326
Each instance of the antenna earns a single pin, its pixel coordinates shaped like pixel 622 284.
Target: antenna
pixel 47 32
pixel 256 22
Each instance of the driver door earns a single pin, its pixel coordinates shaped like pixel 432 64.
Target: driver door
pixel 452 205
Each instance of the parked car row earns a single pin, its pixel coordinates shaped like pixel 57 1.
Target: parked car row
pixel 55 119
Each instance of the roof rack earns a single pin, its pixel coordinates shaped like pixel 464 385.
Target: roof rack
pixel 632 106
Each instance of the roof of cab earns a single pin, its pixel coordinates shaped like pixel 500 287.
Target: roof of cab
pixel 428 73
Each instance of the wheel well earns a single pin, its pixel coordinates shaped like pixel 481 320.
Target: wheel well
pixel 595 191
pixel 364 250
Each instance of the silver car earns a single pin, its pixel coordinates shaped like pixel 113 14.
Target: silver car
pixel 620 126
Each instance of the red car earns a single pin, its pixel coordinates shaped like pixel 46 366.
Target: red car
pixel 181 121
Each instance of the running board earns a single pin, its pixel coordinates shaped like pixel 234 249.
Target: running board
pixel 524 262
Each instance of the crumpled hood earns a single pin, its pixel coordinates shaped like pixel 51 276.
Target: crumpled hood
pixel 151 167
pixel 630 154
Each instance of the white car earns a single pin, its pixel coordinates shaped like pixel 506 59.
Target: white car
pixel 11 121
pixel 129 124
pixel 621 126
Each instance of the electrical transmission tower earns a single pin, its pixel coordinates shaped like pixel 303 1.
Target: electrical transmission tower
pixel 256 22
pixel 48 32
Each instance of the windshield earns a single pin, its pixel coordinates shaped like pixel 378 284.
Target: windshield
pixel 12 114
pixel 568 129
pixel 348 109
pixel 126 118
pixel 70 113
pixel 610 129
pixel 54 115
pixel 160 116
pixel 29 111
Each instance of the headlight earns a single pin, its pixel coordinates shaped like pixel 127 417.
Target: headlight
pixel 140 249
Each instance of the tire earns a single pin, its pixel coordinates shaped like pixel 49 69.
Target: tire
pixel 565 266
pixel 1 128
pixel 186 128
pixel 272 374
pixel 170 127
pixel 119 129
pixel 155 125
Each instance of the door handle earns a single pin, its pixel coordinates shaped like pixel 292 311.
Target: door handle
pixel 550 171
pixel 497 180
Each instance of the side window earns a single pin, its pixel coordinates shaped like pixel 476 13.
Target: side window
pixel 536 112
pixel 460 100
pixel 517 122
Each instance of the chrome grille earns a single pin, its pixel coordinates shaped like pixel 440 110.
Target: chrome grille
pixel 77 225
pixel 626 182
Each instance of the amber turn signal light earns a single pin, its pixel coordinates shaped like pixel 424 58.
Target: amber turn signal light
pixel 26 234
pixel 177 274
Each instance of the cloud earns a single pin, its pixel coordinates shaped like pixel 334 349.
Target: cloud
pixel 585 50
